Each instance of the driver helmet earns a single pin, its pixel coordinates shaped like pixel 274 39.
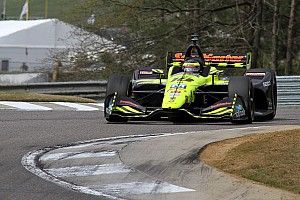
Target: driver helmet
pixel 192 66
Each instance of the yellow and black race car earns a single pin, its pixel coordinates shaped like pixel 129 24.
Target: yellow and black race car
pixel 194 88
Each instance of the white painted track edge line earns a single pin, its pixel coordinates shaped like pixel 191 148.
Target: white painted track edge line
pixel 28 161
pixel 25 106
pixel 77 106
pixel 96 104
pixel 89 170
pixel 77 155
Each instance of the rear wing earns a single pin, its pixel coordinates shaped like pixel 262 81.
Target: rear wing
pixel 214 60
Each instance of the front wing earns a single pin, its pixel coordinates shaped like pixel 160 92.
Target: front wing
pixel 125 109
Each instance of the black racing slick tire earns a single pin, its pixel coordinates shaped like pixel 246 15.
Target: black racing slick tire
pixel 274 96
pixel 116 84
pixel 242 86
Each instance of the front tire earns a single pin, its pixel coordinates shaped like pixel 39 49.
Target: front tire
pixel 116 84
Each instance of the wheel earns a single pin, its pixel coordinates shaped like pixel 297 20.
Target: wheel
pixel 243 87
pixel 273 97
pixel 273 91
pixel 119 84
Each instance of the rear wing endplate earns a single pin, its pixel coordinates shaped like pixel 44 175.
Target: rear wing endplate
pixel 214 60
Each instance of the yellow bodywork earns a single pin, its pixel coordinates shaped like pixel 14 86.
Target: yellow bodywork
pixel 181 87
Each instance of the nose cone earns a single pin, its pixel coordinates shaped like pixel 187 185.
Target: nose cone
pixel 174 100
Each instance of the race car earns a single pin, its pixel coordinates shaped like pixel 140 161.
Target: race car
pixel 193 89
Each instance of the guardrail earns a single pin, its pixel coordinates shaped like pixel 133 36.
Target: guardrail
pixel 288 89
pixel 89 89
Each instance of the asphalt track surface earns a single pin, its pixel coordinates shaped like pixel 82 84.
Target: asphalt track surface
pixel 21 132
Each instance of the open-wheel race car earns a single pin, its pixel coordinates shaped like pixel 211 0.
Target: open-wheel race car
pixel 193 88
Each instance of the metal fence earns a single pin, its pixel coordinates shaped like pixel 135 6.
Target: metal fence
pixel 288 89
pixel 89 89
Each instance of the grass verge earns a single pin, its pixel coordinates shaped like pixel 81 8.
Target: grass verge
pixel 34 97
pixel 272 158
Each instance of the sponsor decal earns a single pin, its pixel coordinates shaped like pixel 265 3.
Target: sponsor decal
pixel 174 94
pixel 146 72
pixel 175 90
pixel 108 110
pixel 270 103
pixel 223 104
pixel 239 111
pixel 129 103
pixel 267 83
pixel 188 79
pixel 179 86
pixel 172 99
pixel 228 58
pixel 179 56
pixel 109 107
pixel 255 74
pixel 174 79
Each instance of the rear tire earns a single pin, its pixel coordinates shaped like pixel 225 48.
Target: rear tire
pixel 243 87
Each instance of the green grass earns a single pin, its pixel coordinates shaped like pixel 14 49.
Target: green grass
pixel 56 8
pixel 34 97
